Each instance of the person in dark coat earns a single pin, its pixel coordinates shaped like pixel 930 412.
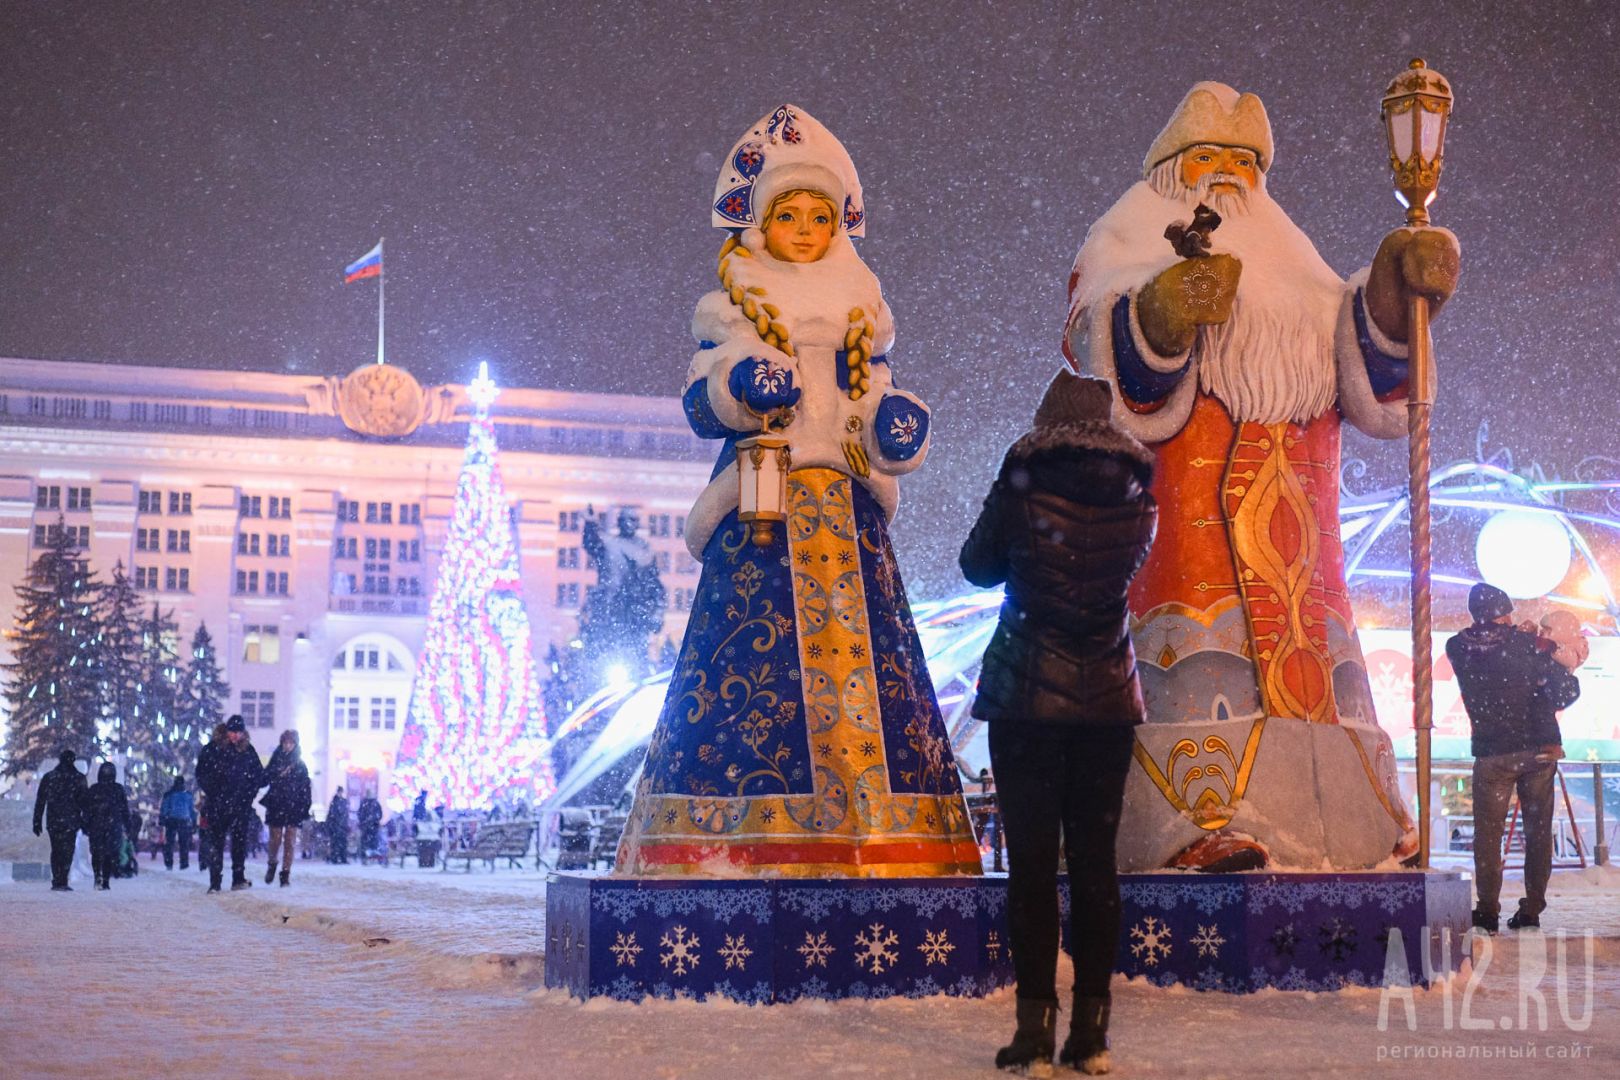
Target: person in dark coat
pixel 1512 687
pixel 370 818
pixel 337 828
pixel 178 812
pixel 106 817
pixel 230 774
pixel 60 805
pixel 286 804
pixel 1065 527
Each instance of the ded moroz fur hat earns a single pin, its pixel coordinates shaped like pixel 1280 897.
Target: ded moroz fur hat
pixel 1215 114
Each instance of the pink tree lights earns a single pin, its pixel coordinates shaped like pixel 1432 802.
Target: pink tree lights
pixel 476 728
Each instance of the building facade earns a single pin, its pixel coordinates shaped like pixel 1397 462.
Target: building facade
pixel 302 519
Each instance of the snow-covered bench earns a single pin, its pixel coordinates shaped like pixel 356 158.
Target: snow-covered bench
pixel 496 840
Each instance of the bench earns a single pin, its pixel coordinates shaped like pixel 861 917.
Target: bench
pixel 496 840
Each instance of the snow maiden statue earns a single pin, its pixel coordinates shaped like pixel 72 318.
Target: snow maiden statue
pixel 800 736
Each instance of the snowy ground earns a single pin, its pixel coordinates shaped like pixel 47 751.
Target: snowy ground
pixel 406 973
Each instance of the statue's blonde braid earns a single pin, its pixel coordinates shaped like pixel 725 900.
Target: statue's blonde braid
pixel 766 317
pixel 858 353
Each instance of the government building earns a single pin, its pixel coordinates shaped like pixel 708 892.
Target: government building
pixel 302 519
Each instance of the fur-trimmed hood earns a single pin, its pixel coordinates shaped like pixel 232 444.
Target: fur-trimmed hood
pixel 1083 435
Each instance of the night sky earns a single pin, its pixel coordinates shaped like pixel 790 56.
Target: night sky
pixel 182 184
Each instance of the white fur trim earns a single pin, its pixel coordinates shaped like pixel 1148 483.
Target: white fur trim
pixel 1378 419
pixel 799 174
pixel 1093 347
pixel 1385 343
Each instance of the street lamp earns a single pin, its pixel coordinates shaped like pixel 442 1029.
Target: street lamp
pixel 1416 108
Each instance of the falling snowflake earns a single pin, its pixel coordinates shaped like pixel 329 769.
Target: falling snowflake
pixel 1338 938
pixel 815 949
pixel 683 954
pixel 625 948
pixel 736 951
pixel 1151 941
pixel 1208 941
pixel 935 948
pixel 876 948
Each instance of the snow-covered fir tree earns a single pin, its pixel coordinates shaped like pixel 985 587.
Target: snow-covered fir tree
pixel 157 744
pixel 202 698
pixel 476 728
pixel 118 659
pixel 52 694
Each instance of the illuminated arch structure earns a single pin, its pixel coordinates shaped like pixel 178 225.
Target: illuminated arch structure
pixel 1530 514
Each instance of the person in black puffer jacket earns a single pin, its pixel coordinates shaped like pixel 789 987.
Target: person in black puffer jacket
pixel 286 804
pixel 106 816
pixel 1512 688
pixel 1066 526
pixel 59 806
pixel 230 774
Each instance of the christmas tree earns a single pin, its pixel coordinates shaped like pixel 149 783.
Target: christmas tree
pixel 476 727
pixel 52 694
pixel 162 743
pixel 203 693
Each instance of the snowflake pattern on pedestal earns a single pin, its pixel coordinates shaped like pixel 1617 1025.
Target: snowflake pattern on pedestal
pixel 683 950
pixel 924 987
pixel 992 946
pixel 624 988
pixel 1336 938
pixel 624 949
pixel 735 952
pixel 1284 940
pixel 1208 941
pixel 1294 896
pixel 728 903
pixel 813 904
pixel 1209 897
pixel 875 948
pixel 936 947
pixel 815 949
pixel 1150 940
pixel 759 994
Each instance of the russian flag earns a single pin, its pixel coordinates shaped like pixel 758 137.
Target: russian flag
pixel 368 265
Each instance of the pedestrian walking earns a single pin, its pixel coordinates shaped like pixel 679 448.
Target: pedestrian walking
pixel 1513 686
pixel 106 818
pixel 179 813
pixel 286 804
pixel 337 828
pixel 370 819
pixel 60 804
pixel 1065 527
pixel 230 774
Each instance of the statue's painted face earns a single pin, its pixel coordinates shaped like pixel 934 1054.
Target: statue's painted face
pixel 800 227
pixel 1241 164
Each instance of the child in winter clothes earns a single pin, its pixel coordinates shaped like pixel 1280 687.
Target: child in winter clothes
pixel 106 818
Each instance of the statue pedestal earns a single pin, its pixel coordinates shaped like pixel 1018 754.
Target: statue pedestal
pixel 1322 931
pixel 766 941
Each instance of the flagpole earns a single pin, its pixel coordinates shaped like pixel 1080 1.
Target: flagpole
pixel 381 270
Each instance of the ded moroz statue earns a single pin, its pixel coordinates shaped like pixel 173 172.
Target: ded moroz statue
pixel 1238 367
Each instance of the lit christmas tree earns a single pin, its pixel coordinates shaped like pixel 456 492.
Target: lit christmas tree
pixel 476 728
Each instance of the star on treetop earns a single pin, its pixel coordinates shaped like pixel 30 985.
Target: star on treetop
pixel 482 391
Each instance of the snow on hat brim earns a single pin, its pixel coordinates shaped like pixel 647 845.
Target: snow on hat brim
pixel 796 176
pixel 1214 114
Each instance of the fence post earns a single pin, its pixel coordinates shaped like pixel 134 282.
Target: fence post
pixel 1600 848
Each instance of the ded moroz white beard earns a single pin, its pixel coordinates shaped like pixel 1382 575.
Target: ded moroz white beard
pixel 1272 361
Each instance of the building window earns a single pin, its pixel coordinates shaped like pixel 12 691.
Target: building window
pixel 252 506
pixel 247 543
pixel 101 410
pixel 150 502
pixel 78 498
pixel 658 525
pixel 347 548
pixel 568 521
pixel 202 414
pixel 259 708
pixel 48 498
pixel 179 540
pixel 409 586
pixel 568 558
pixel 261 645
pixel 78 535
pixel 680 526
pixel 146 539
pixel 247 581
pixel 177 579
pixel 179 502
pixel 375 585
pixel 279 544
pixel 146 577
pixel 383 711
pixel 410 513
pixel 345 713
pixel 281 506
pixel 348 510
pixel 685 564
pixel 568 594
pixel 275 582
pixel 343 584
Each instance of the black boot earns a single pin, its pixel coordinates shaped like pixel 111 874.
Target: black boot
pixel 1030 1051
pixel 270 872
pixel 1086 1048
pixel 1523 920
pixel 286 876
pixel 1485 920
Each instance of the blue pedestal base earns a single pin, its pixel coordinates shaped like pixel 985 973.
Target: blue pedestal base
pixel 775 941
pixel 761 942
pixel 1245 932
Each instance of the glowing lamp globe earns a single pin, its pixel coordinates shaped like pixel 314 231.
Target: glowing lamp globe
pixel 1523 553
